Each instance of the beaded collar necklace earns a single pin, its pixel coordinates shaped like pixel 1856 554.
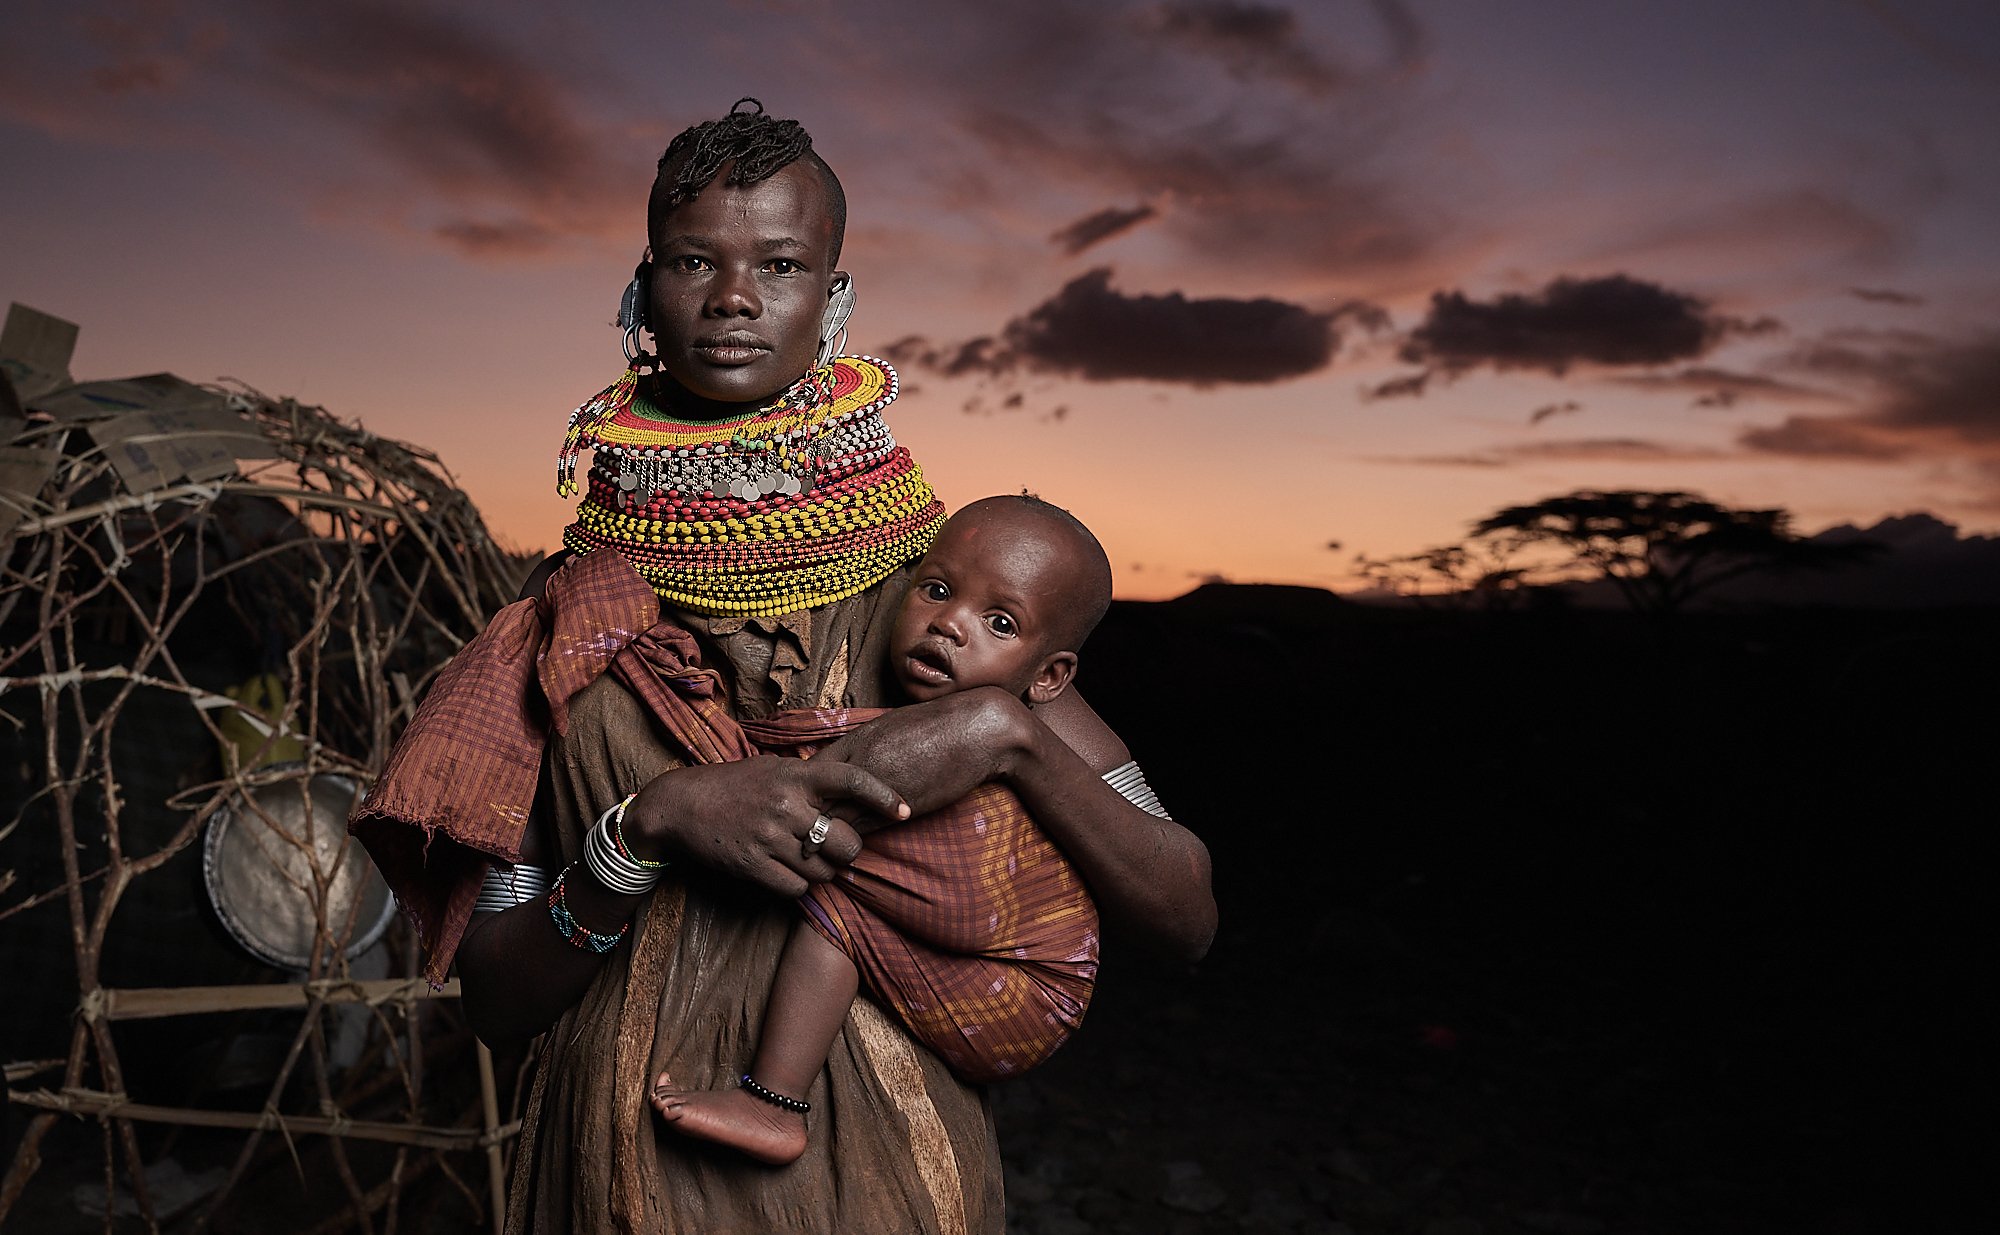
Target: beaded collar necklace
pixel 623 422
pixel 803 502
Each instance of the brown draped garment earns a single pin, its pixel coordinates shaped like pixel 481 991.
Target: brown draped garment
pixel 896 1143
pixel 968 922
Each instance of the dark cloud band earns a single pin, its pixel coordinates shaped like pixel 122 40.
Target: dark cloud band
pixel 1092 331
pixel 1928 397
pixel 1251 41
pixel 1100 226
pixel 1615 320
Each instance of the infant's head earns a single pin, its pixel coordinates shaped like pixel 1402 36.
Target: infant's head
pixel 1004 598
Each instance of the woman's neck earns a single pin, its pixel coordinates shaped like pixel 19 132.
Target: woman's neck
pixel 675 401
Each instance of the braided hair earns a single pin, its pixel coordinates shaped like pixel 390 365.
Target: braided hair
pixel 755 146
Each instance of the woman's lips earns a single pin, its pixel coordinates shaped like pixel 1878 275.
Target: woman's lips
pixel 731 349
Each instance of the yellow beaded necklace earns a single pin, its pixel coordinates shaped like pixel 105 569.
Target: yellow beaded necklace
pixel 807 501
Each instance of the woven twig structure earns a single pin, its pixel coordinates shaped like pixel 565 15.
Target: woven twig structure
pixel 198 651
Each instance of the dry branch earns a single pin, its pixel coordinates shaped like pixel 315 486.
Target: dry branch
pixel 142 1003
pixel 117 1106
pixel 342 573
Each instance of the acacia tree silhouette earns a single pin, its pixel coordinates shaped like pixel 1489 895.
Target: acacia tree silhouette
pixel 1661 549
pixel 1472 575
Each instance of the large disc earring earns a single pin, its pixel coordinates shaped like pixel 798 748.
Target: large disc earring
pixel 833 327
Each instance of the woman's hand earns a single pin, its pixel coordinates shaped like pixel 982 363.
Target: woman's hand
pixel 1150 876
pixel 754 818
pixel 935 753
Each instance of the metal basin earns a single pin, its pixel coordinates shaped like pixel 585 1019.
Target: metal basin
pixel 269 860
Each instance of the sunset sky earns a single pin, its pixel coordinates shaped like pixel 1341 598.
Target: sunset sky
pixel 1251 278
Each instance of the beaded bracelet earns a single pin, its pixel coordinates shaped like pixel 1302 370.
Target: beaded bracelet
pixel 579 935
pixel 618 835
pixel 798 1106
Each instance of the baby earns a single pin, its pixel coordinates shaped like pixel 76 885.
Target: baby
pixel 967 924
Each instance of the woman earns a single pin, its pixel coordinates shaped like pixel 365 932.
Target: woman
pixel 746 477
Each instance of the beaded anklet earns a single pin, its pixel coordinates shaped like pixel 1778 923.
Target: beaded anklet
pixel 578 935
pixel 797 1106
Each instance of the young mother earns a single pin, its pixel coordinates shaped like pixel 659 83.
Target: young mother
pixel 752 484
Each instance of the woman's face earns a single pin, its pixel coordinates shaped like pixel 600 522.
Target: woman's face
pixel 741 278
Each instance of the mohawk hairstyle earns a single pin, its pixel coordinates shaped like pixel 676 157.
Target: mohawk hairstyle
pixel 755 146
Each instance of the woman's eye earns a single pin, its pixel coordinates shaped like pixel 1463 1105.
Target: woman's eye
pixel 1002 625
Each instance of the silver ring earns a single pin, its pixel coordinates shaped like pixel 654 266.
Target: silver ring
pixel 821 826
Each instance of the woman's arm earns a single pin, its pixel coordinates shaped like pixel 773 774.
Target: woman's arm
pixel 1150 876
pixel 517 973
pixel 749 819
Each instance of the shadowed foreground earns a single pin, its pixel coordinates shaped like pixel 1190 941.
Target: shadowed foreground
pixel 1541 922
pixel 1554 923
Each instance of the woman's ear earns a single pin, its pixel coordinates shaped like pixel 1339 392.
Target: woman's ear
pixel 1052 678
pixel 833 325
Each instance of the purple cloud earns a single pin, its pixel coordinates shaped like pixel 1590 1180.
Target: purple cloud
pixel 1614 320
pixel 1252 42
pixel 1092 331
pixel 1099 226
pixel 1927 398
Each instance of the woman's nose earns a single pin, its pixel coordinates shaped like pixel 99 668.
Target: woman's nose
pixel 733 293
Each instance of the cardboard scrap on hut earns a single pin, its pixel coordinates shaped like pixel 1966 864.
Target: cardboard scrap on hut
pixel 159 430
pixel 35 348
pixel 156 430
pixel 23 472
pixel 34 360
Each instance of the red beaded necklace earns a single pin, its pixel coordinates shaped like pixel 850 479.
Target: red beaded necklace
pixel 806 501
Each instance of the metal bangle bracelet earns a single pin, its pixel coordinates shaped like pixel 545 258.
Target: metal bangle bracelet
pixel 507 886
pixel 611 868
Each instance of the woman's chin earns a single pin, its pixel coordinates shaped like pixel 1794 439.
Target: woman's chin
pixel 748 385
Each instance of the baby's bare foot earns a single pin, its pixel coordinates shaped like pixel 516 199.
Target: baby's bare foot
pixel 734 1118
